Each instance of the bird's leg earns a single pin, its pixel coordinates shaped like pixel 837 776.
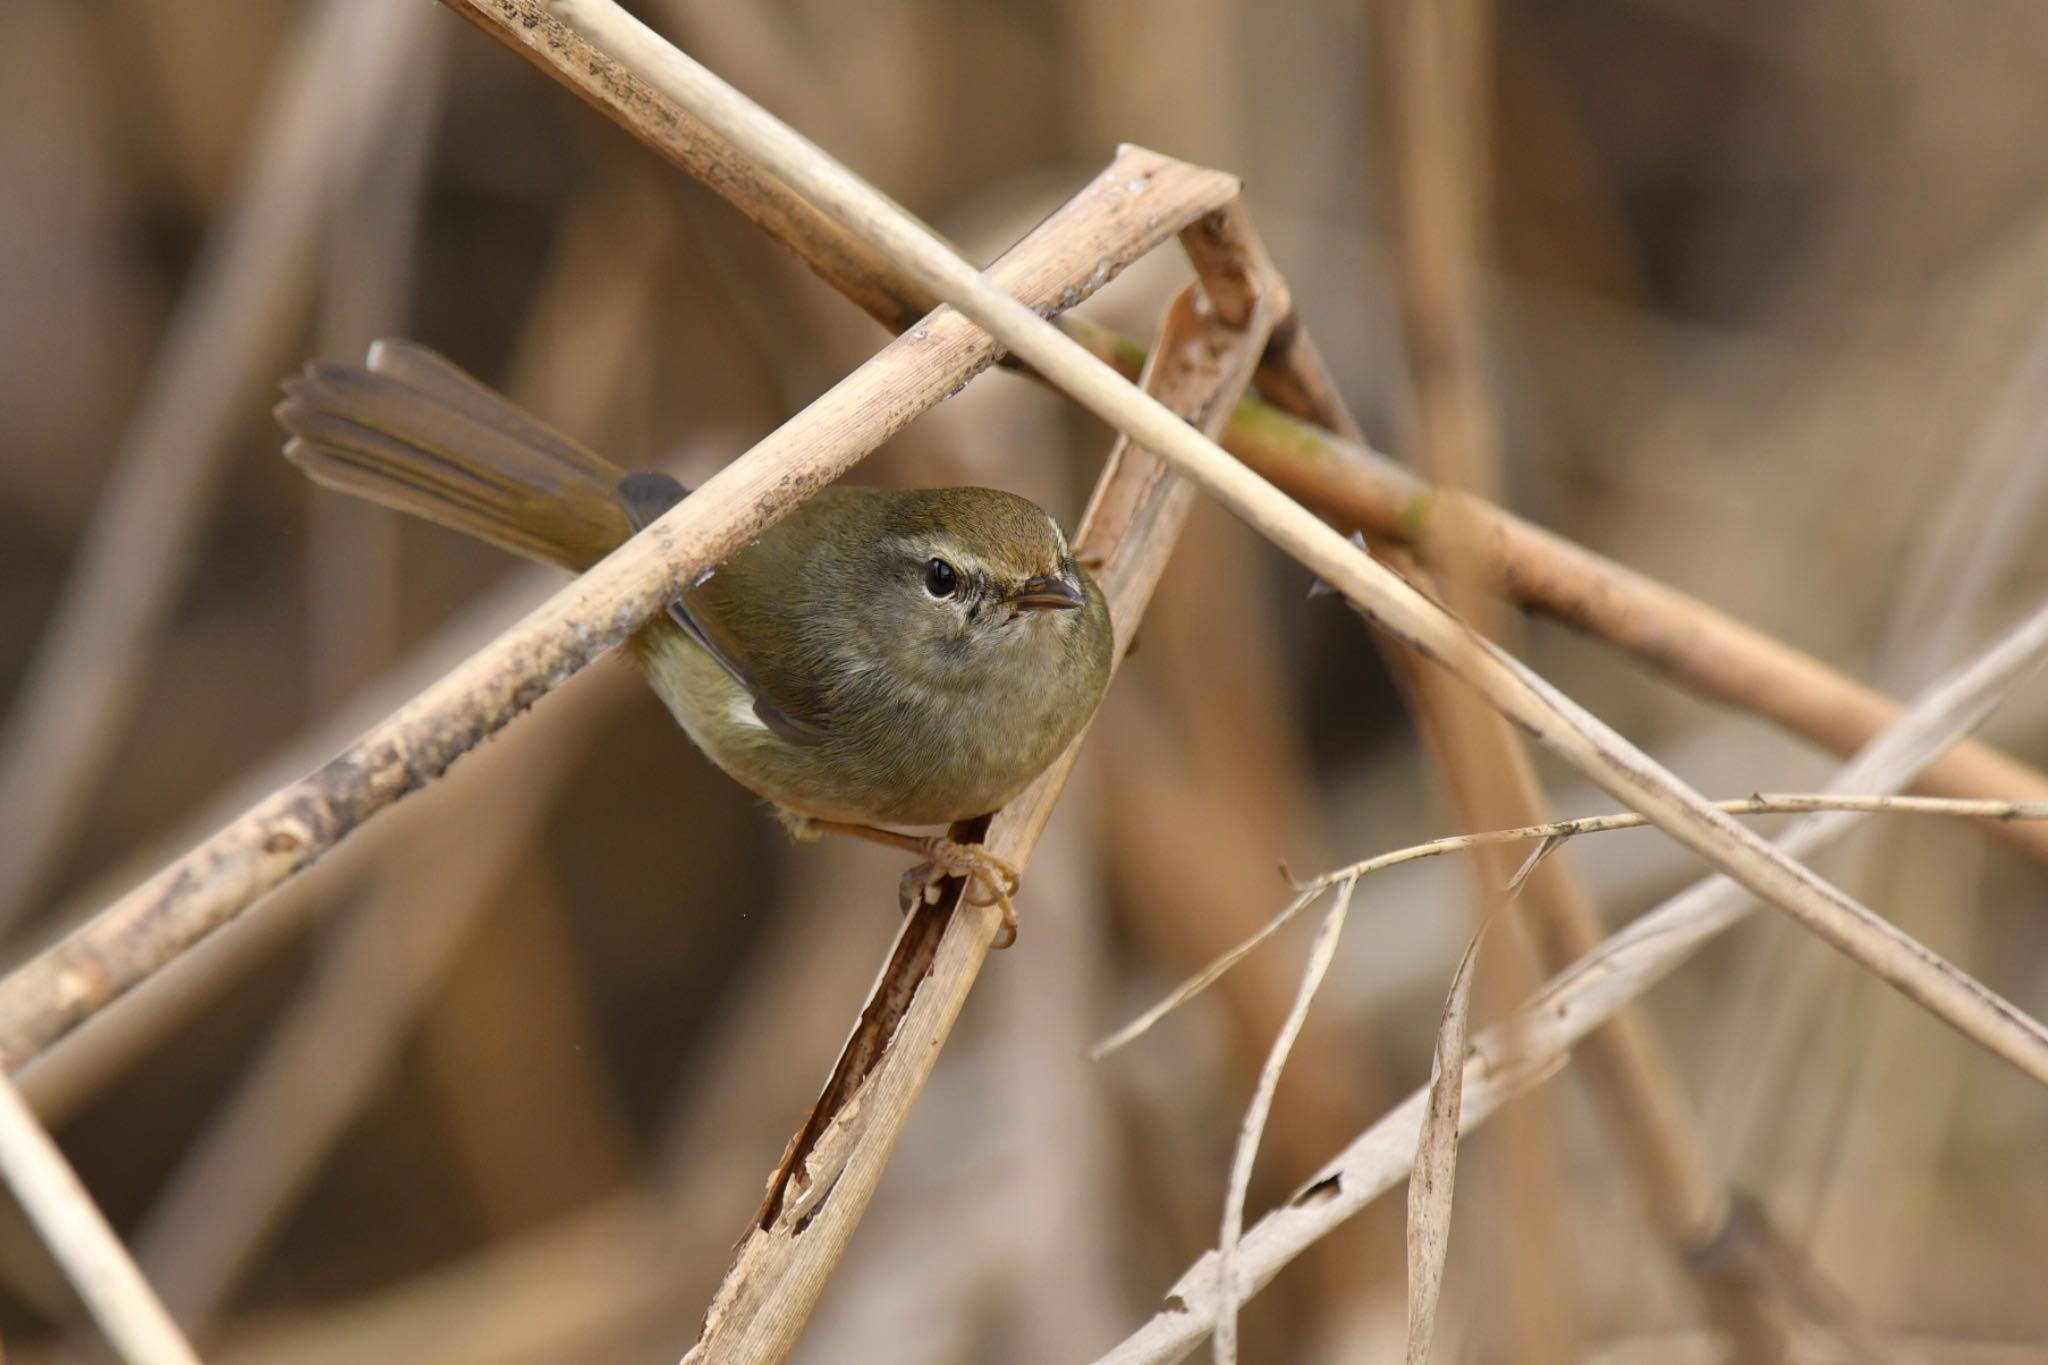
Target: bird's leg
pixel 990 880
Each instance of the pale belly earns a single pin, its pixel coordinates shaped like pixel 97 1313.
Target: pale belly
pixel 923 775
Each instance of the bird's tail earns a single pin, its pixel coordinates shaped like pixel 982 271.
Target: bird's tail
pixel 414 432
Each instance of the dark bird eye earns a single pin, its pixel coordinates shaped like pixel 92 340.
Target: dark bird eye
pixel 940 579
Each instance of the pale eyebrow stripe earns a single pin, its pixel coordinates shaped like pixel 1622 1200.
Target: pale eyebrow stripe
pixel 921 548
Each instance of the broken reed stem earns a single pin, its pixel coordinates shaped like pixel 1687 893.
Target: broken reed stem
pixel 77 1234
pixel 1523 1050
pixel 1309 891
pixel 818 1193
pixel 1698 647
pixel 1141 199
pixel 1571 732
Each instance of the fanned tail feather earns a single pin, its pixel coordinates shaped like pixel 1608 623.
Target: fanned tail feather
pixel 415 433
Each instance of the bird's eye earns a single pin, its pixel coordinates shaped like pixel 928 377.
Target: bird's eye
pixel 940 578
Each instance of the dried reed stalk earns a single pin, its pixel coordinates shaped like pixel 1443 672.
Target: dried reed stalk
pixel 1522 1051
pixel 76 1232
pixel 1555 831
pixel 1435 69
pixel 1130 207
pixel 1431 65
pixel 1698 647
pixel 1493 782
pixel 1210 346
pixel 1596 751
pixel 1703 650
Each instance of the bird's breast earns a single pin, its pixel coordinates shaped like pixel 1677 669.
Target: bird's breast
pixel 898 748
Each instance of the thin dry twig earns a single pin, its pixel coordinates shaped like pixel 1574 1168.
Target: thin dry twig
pixel 1523 1050
pixel 1574 734
pixel 822 1186
pixel 1490 777
pixel 1700 648
pixel 1434 59
pixel 1332 470
pixel 1492 781
pixel 1320 954
pixel 120 1300
pixel 1309 891
pixel 1117 217
pixel 1761 803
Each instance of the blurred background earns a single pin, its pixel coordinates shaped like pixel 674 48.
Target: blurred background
pixel 1758 290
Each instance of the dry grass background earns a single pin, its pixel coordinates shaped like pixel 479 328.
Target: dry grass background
pixel 1764 322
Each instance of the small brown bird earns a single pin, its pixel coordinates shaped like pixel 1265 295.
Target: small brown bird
pixel 877 658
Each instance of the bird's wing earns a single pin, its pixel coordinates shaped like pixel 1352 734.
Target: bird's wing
pixel 645 496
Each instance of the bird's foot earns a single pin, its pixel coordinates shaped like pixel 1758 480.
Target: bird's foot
pixel 990 880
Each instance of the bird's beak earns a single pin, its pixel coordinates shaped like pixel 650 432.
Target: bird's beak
pixel 1047 593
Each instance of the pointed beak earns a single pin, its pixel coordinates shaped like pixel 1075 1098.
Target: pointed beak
pixel 1047 593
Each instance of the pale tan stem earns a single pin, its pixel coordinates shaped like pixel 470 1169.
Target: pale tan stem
pixel 1492 781
pixel 1596 751
pixel 1522 1051
pixel 75 1230
pixel 1557 831
pixel 1331 470
pixel 1700 648
pixel 819 1192
pixel 1065 258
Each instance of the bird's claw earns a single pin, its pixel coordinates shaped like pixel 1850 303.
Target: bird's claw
pixel 990 880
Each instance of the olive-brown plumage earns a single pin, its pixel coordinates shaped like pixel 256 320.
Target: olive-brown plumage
pixel 877 657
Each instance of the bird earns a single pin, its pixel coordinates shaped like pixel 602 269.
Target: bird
pixel 876 661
